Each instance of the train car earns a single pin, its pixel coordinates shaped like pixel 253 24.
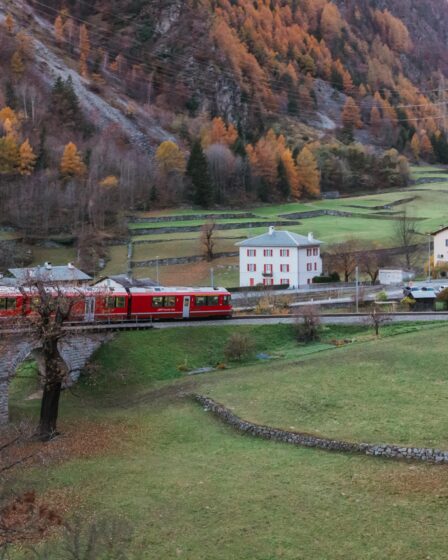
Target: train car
pixel 11 303
pixel 179 303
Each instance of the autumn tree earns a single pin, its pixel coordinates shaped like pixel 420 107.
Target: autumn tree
pixel 426 147
pixel 375 120
pixel 405 236
pixel 170 158
pixel 17 64
pixel 197 171
pixel 9 155
pixel 27 158
pixel 415 147
pixel 218 132
pixel 72 164
pixel 9 23
pixel 351 115
pixel 84 50
pixel 59 29
pixel 308 172
pixel 343 258
pixel 331 22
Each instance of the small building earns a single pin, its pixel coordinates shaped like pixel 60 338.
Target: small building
pixel 49 274
pixel 440 246
pixel 279 257
pixel 390 276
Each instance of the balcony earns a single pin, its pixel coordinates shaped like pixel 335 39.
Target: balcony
pixel 267 274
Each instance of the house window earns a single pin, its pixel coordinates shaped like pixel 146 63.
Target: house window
pixel 446 242
pixel 284 281
pixel 251 253
pixel 309 252
pixel 267 252
pixel 315 266
pixel 315 251
pixel 284 268
pixel 284 252
pixel 309 267
pixel 268 268
pixel 268 281
pixel 251 268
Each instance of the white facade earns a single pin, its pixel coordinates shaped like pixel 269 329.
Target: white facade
pixel 279 257
pixel 388 276
pixel 441 246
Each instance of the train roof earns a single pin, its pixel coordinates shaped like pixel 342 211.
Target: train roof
pixel 176 290
pixel 9 291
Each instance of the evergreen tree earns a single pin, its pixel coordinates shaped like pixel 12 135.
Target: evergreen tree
pixel 282 180
pixel 42 154
pixel 197 170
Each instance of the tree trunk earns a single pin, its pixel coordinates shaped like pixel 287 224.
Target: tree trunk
pixel 49 410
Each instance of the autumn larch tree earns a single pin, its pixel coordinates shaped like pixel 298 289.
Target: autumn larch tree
pixel 59 29
pixel 197 171
pixel 308 171
pixel 84 50
pixel 415 147
pixel 72 164
pixel 170 158
pixel 9 155
pixel 351 115
pixel 27 158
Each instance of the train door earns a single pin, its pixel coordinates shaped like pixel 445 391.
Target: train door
pixel 89 309
pixel 186 308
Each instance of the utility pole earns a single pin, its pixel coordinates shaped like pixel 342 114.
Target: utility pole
pixel 212 278
pixel 429 257
pixel 157 271
pixel 357 289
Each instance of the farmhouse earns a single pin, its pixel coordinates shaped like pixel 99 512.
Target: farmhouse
pixel 279 257
pixel 440 246
pixel 61 275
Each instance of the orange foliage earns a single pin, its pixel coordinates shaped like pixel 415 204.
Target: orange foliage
pixel 351 115
pixel 217 132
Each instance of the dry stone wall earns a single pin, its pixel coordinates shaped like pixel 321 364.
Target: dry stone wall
pixel 308 440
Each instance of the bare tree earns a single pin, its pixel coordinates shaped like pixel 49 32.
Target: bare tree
pixel 307 324
pixel 376 319
pixel 208 240
pixel 406 235
pixel 343 258
pixel 371 260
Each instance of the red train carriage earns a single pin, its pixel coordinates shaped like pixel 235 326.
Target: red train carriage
pixel 109 301
pixel 11 302
pixel 179 303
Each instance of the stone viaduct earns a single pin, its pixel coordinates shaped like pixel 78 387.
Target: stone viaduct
pixel 76 350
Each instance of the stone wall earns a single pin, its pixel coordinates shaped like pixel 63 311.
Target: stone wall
pixel 190 217
pixel 181 260
pixel 308 440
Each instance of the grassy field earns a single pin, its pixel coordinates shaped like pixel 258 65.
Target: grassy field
pixel 192 488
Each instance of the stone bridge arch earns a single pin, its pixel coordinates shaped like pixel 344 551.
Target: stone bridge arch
pixel 75 350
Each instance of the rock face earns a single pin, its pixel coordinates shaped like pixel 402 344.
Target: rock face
pixel 308 440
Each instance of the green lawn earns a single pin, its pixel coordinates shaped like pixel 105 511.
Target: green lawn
pixel 192 488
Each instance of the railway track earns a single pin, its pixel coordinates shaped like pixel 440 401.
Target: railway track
pixel 326 318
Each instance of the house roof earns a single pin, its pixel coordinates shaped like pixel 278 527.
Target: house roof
pixel 282 238
pixel 54 274
pixel 439 230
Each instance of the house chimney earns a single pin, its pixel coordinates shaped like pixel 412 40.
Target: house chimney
pixel 71 266
pixel 271 230
pixel 310 236
pixel 48 266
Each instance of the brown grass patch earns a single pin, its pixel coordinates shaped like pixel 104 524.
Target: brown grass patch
pixel 428 480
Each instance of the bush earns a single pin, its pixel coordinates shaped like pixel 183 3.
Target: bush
pixel 331 279
pixel 308 325
pixel 382 296
pixel 443 295
pixel 239 347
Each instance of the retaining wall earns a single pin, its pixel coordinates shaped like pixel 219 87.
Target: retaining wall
pixel 308 440
pixel 181 260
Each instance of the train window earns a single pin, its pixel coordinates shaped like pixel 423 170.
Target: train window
pixel 157 301
pixel 170 301
pixel 34 303
pixel 212 300
pixel 109 303
pixel 11 303
pixel 226 300
pixel 200 300
pixel 120 302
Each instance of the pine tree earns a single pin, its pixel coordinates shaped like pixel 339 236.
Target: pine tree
pixel 71 162
pixel 309 174
pixel 197 170
pixel 65 105
pixel 27 158
pixel 282 181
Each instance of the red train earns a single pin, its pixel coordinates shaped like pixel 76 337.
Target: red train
pixel 109 301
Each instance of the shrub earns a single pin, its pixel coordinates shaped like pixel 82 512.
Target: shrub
pixel 443 295
pixel 308 325
pixel 238 347
pixel 382 296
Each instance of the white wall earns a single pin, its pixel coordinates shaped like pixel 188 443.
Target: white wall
pixel 440 247
pixel 297 260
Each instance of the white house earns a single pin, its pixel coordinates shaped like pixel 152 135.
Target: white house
pixel 391 276
pixel 440 246
pixel 279 257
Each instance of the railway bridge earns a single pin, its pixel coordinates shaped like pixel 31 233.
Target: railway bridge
pixel 76 350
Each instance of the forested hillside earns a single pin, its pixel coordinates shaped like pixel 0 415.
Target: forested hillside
pixel 113 106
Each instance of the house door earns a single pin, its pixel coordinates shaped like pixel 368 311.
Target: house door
pixel 186 309
pixel 89 310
